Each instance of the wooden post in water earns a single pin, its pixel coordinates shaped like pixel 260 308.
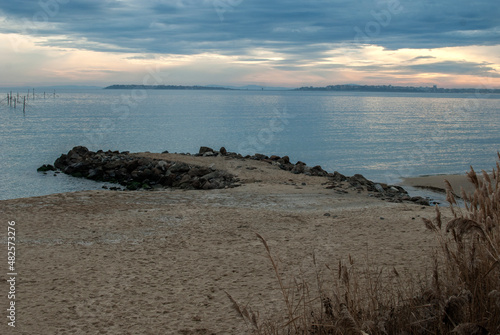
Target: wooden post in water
pixel 54 94
pixel 10 100
pixel 24 105
pixel 33 94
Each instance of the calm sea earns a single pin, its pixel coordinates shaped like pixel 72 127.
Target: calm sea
pixel 384 136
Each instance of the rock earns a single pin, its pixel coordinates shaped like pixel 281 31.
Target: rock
pixel 420 201
pixel 360 179
pixel 95 174
pixel 199 171
pixel 223 151
pixel 379 188
pixel 60 163
pixel 207 186
pixel 46 167
pixel 179 167
pixel 185 179
pixel 211 175
pixel 299 168
pixel 318 171
pixel 260 157
pixel 79 151
pixel 338 177
pixel 132 165
pixel 135 173
pixel 205 149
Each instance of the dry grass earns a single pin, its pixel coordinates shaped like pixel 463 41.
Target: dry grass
pixel 462 297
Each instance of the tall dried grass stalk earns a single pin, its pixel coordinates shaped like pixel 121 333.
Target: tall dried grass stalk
pixel 470 245
pixel 462 297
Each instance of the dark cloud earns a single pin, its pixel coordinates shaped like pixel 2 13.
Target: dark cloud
pixel 421 57
pixel 445 67
pixel 237 26
pixel 458 68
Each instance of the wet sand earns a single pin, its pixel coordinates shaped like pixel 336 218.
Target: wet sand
pixel 437 183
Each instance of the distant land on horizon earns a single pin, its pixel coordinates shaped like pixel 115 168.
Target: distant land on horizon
pixel 390 88
pixel 333 88
pixel 197 87
pixel 347 87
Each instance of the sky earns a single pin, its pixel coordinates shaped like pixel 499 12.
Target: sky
pixel 292 43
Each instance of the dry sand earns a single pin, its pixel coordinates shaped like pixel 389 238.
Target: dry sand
pixel 159 262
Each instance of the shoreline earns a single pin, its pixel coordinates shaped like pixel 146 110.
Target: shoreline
pixel 161 261
pixel 155 171
pixel 436 183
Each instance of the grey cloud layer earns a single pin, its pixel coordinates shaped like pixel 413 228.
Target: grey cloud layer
pixel 302 30
pixel 229 26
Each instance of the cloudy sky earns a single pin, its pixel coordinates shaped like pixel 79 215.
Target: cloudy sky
pixel 449 43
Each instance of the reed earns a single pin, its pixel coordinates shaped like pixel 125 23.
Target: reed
pixel 461 297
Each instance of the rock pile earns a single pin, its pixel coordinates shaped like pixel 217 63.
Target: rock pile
pixel 391 193
pixel 138 172
pixel 282 162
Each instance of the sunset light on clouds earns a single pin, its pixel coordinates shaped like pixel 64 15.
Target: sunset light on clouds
pixel 236 42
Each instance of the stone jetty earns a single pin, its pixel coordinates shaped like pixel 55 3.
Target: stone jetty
pixel 135 172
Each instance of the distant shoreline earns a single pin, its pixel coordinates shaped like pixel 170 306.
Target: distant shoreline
pixel 333 88
pixel 165 87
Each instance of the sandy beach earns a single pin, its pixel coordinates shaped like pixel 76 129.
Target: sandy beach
pixel 160 262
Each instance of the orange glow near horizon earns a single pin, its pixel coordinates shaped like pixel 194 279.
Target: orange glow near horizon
pixel 27 60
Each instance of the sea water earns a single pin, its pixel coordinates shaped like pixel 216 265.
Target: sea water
pixel 384 136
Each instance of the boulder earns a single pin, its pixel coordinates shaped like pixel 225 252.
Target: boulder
pixel 179 167
pixel 203 150
pixel 259 157
pixel 46 167
pixel 299 168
